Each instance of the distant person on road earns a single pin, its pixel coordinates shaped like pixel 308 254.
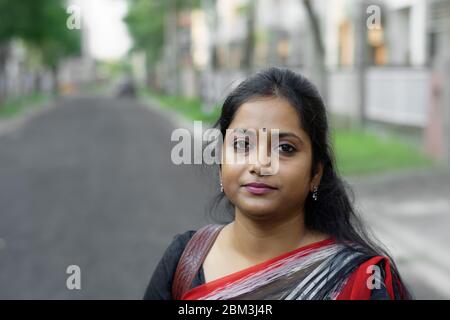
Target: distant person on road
pixel 127 88
pixel 294 234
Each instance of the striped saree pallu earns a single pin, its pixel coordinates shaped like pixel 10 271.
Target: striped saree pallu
pixel 317 271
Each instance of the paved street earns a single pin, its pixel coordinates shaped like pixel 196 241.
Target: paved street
pixel 90 183
pixel 409 212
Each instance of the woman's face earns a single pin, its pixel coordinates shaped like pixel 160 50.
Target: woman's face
pixel 292 180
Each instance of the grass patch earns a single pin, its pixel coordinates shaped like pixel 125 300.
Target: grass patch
pixel 190 108
pixel 360 152
pixel 17 106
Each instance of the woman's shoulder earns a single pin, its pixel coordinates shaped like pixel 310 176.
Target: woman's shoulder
pixel 376 278
pixel 177 245
pixel 181 239
pixel 160 285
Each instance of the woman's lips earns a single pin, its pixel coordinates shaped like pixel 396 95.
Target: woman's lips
pixel 258 189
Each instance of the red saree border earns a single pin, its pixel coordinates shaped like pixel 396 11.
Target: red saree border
pixel 210 286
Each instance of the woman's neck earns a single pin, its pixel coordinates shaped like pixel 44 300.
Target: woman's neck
pixel 261 240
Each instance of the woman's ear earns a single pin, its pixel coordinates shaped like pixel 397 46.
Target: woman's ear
pixel 315 182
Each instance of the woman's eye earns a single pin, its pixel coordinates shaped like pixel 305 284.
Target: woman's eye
pixel 286 148
pixel 244 145
pixel 240 144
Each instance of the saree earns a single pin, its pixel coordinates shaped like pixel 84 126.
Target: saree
pixel 324 270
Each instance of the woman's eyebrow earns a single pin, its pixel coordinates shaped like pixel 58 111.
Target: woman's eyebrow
pixel 243 130
pixel 289 134
pixel 283 134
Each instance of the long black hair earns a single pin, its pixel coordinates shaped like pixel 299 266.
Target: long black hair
pixel 334 212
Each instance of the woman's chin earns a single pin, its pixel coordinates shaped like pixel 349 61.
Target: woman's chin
pixel 258 211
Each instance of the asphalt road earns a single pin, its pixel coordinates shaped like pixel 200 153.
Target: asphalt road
pixel 409 212
pixel 90 183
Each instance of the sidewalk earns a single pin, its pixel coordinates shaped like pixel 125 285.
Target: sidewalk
pixel 409 211
pixel 175 118
pixel 11 124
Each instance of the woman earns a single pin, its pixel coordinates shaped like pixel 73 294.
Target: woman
pixel 294 234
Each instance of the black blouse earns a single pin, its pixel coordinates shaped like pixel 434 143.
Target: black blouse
pixel 160 286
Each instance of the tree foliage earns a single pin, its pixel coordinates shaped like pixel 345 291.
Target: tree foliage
pixel 145 20
pixel 42 24
pixel 146 23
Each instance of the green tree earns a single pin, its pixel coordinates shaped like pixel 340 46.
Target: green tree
pixel 319 48
pixel 42 25
pixel 54 40
pixel 152 25
pixel 145 21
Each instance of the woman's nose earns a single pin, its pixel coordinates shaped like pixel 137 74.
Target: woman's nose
pixel 261 161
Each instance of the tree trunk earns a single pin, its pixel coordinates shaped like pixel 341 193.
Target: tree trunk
pixel 250 41
pixel 319 50
pixel 37 83
pixel 4 52
pixel 55 79
pixel 172 81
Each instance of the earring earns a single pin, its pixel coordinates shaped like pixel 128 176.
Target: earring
pixel 221 186
pixel 315 195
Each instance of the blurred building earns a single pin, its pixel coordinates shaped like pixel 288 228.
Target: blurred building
pixel 380 57
pixel 379 74
pixel 75 72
